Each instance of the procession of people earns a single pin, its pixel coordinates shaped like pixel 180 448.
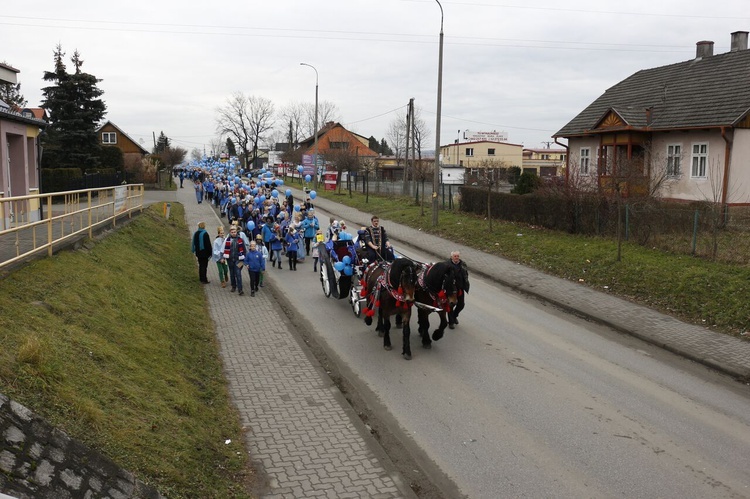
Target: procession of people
pixel 265 226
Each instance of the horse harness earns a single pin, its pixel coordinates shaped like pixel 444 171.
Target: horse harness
pixel 439 299
pixel 382 284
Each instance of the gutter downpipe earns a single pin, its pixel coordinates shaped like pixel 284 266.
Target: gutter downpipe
pixel 567 159
pixel 725 182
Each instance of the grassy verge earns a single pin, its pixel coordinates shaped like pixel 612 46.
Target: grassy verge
pixel 115 345
pixel 702 292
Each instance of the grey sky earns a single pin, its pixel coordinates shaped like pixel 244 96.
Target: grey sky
pixel 525 67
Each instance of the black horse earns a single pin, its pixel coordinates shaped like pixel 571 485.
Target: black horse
pixel 436 292
pixel 390 288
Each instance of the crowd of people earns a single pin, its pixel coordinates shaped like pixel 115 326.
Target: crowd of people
pixel 267 227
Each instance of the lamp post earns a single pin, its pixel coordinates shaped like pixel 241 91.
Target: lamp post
pixel 315 153
pixel 436 173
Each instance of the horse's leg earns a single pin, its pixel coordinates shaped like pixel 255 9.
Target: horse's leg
pixel 399 321
pixel 441 329
pixel 380 328
pixel 423 320
pixel 386 332
pixel 406 334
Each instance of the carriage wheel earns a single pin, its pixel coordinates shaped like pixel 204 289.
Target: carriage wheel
pixel 354 300
pixel 326 273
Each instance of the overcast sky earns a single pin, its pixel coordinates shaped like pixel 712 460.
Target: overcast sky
pixel 523 67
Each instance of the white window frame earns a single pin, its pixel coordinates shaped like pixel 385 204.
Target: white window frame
pixel 674 160
pixel 109 138
pixel 699 160
pixel 584 164
pixel 469 152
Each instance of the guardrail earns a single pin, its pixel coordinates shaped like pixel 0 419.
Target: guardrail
pixel 37 222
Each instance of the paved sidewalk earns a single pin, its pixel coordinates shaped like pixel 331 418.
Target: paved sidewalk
pixel 724 353
pixel 301 431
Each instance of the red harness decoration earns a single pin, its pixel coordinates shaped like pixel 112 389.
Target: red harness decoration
pixel 381 284
pixel 439 300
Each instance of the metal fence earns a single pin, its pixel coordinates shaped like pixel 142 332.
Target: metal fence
pixel 32 224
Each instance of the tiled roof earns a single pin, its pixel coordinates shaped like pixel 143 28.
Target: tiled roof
pixel 708 92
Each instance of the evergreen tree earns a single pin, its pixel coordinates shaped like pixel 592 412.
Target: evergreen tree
pixel 162 143
pixel 231 149
pixel 374 144
pixel 385 149
pixel 75 108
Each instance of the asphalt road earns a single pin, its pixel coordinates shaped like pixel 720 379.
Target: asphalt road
pixel 523 400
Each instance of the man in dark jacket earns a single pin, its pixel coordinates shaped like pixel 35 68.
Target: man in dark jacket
pixel 203 250
pixel 462 283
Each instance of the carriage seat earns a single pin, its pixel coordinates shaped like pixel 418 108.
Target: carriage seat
pixel 341 248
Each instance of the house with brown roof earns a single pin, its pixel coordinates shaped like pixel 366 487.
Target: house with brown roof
pixel 333 138
pixel 110 134
pixel 681 131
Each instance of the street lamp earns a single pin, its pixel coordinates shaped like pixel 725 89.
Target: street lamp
pixel 436 173
pixel 315 153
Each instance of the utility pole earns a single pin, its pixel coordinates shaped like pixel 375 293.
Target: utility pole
pixel 409 119
pixel 436 172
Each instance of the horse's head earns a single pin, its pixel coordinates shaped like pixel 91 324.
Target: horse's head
pixel 449 286
pixel 407 281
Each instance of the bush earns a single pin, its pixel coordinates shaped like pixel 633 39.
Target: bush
pixel 61 179
pixel 527 182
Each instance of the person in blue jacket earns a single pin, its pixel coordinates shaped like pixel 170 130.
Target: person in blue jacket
pixel 292 246
pixel 309 228
pixel 255 265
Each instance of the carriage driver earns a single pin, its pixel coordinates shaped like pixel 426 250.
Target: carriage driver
pixel 377 243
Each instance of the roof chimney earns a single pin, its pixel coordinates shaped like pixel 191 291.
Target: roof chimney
pixel 704 48
pixel 739 41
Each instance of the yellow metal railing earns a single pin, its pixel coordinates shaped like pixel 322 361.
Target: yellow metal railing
pixel 37 222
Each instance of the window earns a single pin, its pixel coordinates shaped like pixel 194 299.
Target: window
pixel 585 159
pixel 470 151
pixel 545 156
pixel 339 145
pixel 674 158
pixel 490 152
pixel 109 138
pixel 699 159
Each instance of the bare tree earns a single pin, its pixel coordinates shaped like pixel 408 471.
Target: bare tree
pixel 396 135
pixel 196 154
pixel 327 111
pixel 261 120
pixel 217 145
pixel 292 117
pixel 344 160
pixel 233 119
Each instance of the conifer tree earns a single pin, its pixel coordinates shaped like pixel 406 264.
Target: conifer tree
pixel 73 103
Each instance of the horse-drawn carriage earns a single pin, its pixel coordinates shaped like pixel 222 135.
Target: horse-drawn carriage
pixel 387 288
pixel 341 269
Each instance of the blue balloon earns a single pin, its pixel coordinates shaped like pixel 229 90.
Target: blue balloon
pixel 256 200
pixel 308 178
pixel 339 266
pixel 348 270
pixel 275 193
pixel 300 168
pixel 279 182
pixel 288 192
pixel 255 191
pixel 262 198
pixel 313 194
pixel 347 259
pixel 250 225
pixel 296 207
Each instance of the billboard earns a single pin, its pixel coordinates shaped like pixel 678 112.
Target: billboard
pixel 493 136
